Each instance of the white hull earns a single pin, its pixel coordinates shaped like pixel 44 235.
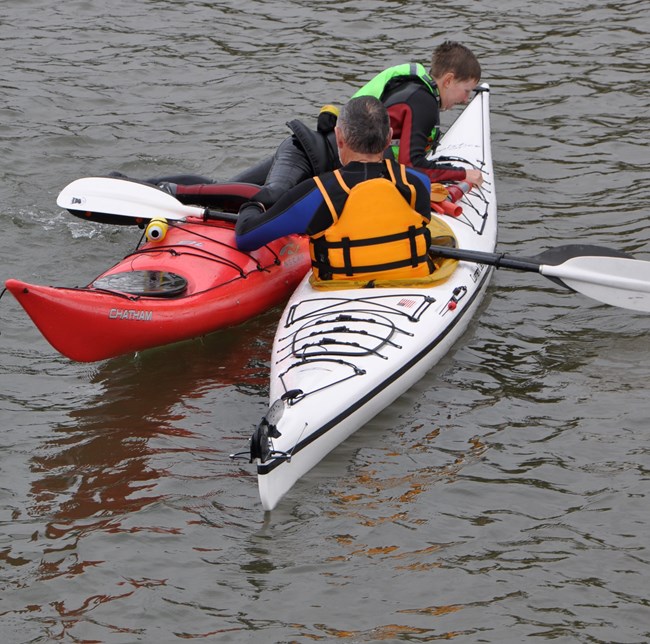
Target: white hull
pixel 340 357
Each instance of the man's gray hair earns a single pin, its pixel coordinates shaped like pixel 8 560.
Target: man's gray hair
pixel 364 124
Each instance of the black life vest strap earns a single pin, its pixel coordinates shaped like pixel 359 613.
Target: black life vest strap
pixel 327 269
pixel 347 258
pixel 414 248
pixel 412 233
pixel 346 244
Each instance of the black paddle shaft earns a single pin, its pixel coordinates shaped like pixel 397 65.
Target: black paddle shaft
pixel 499 260
pixel 553 256
pixel 216 215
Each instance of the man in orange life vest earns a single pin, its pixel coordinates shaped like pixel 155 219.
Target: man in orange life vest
pixel 367 220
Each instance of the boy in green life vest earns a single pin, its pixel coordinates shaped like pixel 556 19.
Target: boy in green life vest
pixel 414 99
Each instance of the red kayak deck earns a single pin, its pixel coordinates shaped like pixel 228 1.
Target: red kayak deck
pixel 190 283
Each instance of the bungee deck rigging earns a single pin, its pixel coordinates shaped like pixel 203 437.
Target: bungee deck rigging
pixel 191 281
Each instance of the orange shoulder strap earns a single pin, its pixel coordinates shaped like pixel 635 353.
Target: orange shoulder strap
pixel 328 200
pixel 402 182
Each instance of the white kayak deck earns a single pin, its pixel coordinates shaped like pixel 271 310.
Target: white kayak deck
pixel 341 356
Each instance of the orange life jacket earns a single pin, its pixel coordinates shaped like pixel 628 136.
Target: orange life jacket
pixel 400 238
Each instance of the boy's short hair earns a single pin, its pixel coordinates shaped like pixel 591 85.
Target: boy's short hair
pixel 453 57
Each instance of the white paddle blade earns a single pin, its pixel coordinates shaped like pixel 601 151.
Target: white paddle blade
pixel 112 196
pixel 613 280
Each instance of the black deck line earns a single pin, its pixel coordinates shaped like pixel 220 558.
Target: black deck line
pixel 265 468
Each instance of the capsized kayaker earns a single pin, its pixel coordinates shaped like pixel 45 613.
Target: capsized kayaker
pixel 414 99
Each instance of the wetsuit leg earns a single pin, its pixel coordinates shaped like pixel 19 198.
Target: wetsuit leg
pixel 290 166
pixel 257 174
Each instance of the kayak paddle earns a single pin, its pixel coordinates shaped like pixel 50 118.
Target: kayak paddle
pixel 603 274
pixel 125 201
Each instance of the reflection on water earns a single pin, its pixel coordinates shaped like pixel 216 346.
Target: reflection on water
pixel 125 455
pixel 100 456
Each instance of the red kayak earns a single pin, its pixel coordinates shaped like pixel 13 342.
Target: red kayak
pixel 186 280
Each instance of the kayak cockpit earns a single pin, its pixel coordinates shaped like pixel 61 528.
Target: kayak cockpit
pixel 145 283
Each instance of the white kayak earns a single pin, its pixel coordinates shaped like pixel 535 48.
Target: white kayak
pixel 341 356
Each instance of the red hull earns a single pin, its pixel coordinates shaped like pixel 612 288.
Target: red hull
pixel 224 287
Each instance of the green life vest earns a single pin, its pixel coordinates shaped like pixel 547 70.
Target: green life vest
pixel 386 80
pixel 377 85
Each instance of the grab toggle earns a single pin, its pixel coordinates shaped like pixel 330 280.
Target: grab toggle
pixel 156 230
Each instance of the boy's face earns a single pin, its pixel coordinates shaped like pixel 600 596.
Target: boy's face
pixel 455 92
